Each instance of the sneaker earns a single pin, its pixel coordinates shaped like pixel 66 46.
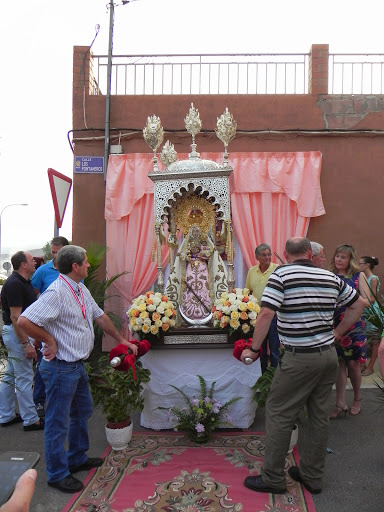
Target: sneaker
pixel 16 419
pixel 90 463
pixel 40 410
pixel 35 426
pixel 294 473
pixel 69 484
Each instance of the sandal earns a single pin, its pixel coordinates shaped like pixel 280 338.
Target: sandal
pixel 354 411
pixel 337 410
pixel 367 372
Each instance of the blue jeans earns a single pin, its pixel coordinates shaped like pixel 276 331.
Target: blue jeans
pixel 68 407
pixel 38 385
pixel 274 347
pixel 18 375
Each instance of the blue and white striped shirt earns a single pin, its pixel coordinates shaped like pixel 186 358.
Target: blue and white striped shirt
pixel 304 297
pixel 58 312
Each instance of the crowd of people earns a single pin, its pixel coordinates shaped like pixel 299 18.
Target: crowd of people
pixel 316 315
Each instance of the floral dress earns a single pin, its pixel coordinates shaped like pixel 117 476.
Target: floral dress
pixel 373 333
pixel 352 346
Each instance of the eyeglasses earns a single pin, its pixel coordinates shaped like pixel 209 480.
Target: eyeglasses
pixel 363 263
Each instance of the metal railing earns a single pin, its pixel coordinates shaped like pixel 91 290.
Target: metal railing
pixel 204 74
pixel 235 74
pixel 356 73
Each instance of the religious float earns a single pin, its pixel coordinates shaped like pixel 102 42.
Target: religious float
pixel 192 215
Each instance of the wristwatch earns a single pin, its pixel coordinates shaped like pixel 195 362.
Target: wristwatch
pixel 253 350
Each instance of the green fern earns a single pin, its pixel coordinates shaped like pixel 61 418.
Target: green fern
pixel 202 415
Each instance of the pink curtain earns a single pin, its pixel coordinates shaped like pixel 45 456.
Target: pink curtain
pixel 277 194
pixel 273 197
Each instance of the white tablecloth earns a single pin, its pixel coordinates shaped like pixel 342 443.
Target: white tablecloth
pixel 180 367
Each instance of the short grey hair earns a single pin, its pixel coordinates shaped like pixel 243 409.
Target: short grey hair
pixel 67 256
pixel 262 247
pixel 316 248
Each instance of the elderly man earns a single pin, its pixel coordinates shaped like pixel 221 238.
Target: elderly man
pixel 63 319
pixel 42 278
pixel 318 256
pixel 16 295
pixel 256 281
pixel 304 297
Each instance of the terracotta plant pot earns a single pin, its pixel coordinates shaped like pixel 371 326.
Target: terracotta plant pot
pixel 119 434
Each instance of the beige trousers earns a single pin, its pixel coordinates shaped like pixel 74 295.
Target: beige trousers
pixel 301 380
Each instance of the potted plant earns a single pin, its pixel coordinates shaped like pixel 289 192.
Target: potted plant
pixel 118 393
pixel 202 415
pixel 261 389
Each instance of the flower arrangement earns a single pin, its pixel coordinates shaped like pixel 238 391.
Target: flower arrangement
pixel 237 311
pixel 202 415
pixel 151 313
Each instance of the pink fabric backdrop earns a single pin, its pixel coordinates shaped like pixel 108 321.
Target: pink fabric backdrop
pixel 273 197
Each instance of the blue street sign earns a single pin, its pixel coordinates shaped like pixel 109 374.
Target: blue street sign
pixel 89 164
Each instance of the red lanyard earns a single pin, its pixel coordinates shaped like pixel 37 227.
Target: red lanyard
pixel 82 303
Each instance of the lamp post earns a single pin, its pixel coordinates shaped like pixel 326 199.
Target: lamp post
pixel 1 213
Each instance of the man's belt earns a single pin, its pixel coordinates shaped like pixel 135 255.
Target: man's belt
pixel 308 350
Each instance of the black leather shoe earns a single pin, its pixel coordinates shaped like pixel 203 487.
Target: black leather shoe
pixel 35 426
pixel 67 484
pixel 294 473
pixel 16 419
pixel 257 484
pixel 95 462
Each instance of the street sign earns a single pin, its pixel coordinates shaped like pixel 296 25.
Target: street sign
pixel 6 265
pixel 60 189
pixel 89 164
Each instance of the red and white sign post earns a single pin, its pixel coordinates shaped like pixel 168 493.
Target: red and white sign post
pixel 60 189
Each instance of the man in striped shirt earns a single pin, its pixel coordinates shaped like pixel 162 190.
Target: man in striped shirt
pixel 62 319
pixel 304 297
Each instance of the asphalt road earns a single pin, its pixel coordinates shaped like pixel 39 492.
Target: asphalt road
pixel 354 471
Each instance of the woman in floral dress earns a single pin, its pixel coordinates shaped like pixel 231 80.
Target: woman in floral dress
pixel 367 264
pixel 351 348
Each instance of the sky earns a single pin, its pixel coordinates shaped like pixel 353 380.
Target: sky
pixel 36 45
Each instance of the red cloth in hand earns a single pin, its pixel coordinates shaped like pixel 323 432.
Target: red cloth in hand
pixel 127 362
pixel 241 345
pixel 143 347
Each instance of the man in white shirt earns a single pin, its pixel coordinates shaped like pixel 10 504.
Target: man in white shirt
pixel 62 318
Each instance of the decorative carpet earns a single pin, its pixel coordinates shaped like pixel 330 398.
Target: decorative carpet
pixel 165 472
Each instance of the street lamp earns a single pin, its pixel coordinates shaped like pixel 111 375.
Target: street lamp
pixel 1 213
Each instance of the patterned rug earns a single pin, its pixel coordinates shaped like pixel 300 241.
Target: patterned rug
pixel 165 472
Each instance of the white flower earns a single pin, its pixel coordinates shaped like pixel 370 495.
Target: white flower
pixel 252 315
pixel 233 307
pixel 226 310
pixel 232 297
pixel 151 307
pixel 147 321
pixel 156 300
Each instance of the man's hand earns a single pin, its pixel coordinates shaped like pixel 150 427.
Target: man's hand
pixel 131 346
pixel 22 495
pixel 49 352
pixel 30 352
pixel 249 354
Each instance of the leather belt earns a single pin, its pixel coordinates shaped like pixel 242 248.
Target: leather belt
pixel 308 350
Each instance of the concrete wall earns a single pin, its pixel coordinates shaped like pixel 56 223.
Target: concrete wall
pixel 348 130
